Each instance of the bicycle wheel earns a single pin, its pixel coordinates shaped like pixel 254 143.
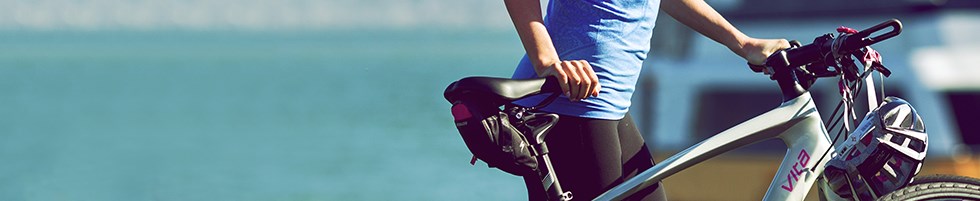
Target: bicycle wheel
pixel 938 187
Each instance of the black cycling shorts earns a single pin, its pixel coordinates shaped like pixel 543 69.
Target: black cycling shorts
pixel 591 156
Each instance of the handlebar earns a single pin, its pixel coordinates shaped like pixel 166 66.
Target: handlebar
pixel 862 39
pixel 827 45
pixel 796 68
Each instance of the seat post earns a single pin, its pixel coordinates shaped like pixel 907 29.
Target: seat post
pixel 545 169
pixel 546 172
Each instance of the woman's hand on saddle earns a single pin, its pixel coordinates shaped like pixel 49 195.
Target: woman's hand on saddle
pixel 577 79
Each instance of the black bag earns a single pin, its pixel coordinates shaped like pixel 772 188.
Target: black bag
pixel 504 139
pixel 490 135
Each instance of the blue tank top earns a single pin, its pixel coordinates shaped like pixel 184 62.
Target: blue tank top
pixel 613 36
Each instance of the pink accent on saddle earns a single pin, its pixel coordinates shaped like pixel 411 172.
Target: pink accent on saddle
pixel 461 112
pixel 847 30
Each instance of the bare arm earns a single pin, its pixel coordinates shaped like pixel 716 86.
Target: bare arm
pixel 577 79
pixel 526 15
pixel 705 20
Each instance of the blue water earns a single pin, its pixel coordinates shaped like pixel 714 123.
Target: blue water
pixel 242 116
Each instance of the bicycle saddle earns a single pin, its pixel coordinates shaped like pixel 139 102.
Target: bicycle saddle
pixel 498 90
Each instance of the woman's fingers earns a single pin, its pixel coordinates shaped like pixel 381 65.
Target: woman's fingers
pixel 594 88
pixel 574 79
pixel 582 80
pixel 585 89
pixel 757 50
pixel 561 75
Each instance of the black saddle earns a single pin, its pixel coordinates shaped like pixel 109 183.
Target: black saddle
pixel 498 91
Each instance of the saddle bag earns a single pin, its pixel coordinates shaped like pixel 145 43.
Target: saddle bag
pixel 504 136
pixel 498 136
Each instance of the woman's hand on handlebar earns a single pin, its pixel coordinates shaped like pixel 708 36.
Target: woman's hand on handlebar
pixel 755 50
pixel 576 77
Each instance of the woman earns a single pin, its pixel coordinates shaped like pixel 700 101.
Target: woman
pixel 596 48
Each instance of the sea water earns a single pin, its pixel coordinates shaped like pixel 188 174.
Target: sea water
pixel 238 115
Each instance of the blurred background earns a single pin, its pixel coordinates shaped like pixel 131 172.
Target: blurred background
pixel 342 99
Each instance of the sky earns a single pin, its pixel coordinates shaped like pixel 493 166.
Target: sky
pixel 249 14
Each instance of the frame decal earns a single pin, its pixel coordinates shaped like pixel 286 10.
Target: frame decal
pixel 794 174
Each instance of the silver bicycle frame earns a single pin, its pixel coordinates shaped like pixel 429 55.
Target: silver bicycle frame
pixel 796 122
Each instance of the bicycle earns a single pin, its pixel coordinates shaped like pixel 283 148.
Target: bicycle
pixel 796 122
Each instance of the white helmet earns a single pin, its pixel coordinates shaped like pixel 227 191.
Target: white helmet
pixel 881 155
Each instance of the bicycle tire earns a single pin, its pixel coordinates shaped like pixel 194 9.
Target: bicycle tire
pixel 938 187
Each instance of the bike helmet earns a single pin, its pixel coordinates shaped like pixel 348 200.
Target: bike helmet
pixel 881 155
